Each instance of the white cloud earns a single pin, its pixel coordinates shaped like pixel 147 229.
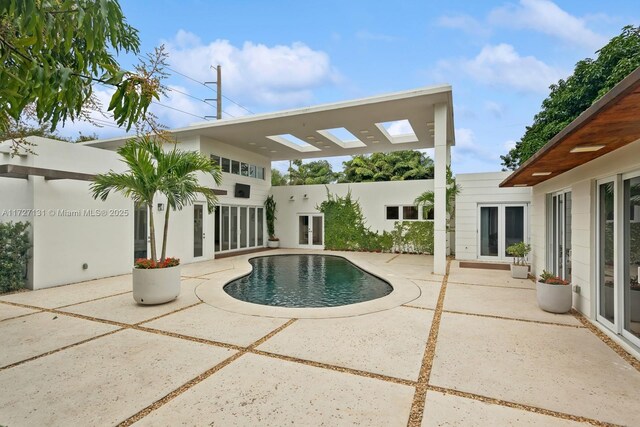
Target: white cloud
pixel 548 18
pixel 501 65
pixel 466 24
pixel 281 75
pixel 400 127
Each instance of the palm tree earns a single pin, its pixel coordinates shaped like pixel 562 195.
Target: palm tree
pixel 152 170
pixel 427 199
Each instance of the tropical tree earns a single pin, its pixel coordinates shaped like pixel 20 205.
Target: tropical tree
pixel 278 178
pixel 427 199
pixel 53 51
pixel 394 166
pixel 590 80
pixel 151 171
pixel 315 172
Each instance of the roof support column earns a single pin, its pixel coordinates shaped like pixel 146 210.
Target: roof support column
pixel 441 160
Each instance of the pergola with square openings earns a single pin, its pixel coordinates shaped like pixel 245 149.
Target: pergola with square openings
pixel 409 120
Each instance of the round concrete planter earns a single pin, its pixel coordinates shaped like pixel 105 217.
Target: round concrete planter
pixel 519 271
pixel 273 243
pixel 156 285
pixel 554 298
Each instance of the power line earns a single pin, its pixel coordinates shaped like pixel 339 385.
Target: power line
pixel 177 109
pixel 211 88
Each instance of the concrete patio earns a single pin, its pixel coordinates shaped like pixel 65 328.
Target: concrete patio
pixel 472 349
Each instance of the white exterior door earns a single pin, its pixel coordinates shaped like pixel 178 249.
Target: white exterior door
pixel 311 231
pixel 499 226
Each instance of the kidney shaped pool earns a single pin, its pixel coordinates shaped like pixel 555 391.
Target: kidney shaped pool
pixel 306 281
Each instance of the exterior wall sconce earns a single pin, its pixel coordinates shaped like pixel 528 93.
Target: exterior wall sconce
pixel 160 207
pixel 292 198
pixel 306 196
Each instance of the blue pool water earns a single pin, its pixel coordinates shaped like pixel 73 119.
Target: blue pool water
pixel 306 281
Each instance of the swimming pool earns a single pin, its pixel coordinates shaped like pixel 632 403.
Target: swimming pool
pixel 306 281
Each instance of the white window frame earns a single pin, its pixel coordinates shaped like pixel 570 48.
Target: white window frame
pixel 501 224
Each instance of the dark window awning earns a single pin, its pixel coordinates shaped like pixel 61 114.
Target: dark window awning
pixel 23 172
pixel 19 171
pixel 609 124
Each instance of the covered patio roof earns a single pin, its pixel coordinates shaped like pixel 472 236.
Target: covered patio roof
pixel 310 132
pixel 610 123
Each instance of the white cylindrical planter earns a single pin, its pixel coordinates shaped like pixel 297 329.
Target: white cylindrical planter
pixel 519 271
pixel 554 298
pixel 156 285
pixel 273 243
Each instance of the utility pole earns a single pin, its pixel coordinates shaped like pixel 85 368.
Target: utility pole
pixel 218 99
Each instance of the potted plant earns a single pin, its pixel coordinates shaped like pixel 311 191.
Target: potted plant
pixel 154 171
pixel 519 267
pixel 553 293
pixel 270 211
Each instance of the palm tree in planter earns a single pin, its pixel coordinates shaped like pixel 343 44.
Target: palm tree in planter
pixel 154 171
pixel 270 211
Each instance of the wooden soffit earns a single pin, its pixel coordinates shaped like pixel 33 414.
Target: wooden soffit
pixel 611 122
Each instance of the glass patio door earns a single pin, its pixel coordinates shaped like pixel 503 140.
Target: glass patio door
pixel 311 231
pixel 607 289
pixel 140 231
pixel 238 227
pixel 631 258
pixel 559 218
pixel 198 230
pixel 500 226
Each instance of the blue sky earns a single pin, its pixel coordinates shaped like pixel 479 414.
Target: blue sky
pixel 499 56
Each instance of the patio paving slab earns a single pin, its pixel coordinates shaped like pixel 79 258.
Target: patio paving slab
pixel 72 294
pixel 101 382
pixel 390 342
pixel 448 410
pixel 554 367
pixel 203 268
pixel 210 323
pixel 123 308
pixel 479 276
pixel 429 292
pixel 39 333
pixel 9 311
pixel 256 390
pixel 505 302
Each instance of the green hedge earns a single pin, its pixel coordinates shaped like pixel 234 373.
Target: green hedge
pixel 345 230
pixel 14 254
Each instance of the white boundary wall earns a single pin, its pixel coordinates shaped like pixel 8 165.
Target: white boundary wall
pixel 63 242
pixel 372 196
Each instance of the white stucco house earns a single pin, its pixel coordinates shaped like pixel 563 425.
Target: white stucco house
pixel 585 210
pixel 576 201
pixel 70 245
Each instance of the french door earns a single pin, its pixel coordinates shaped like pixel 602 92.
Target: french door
pixel 238 227
pixel 198 230
pixel 559 219
pixel 310 231
pixel 618 243
pixel 500 226
pixel 140 231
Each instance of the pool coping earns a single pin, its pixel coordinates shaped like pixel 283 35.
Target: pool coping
pixel 212 293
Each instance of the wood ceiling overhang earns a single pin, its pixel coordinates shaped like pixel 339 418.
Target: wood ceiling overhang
pixel 612 122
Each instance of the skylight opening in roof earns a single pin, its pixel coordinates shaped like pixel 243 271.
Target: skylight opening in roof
pixel 342 134
pixel 398 128
pixel 295 140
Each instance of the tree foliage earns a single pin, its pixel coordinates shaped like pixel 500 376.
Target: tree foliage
pixel 427 199
pixel 315 172
pixel 152 170
pixel 278 178
pixel 52 52
pixel 568 98
pixel 394 166
pixel 14 255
